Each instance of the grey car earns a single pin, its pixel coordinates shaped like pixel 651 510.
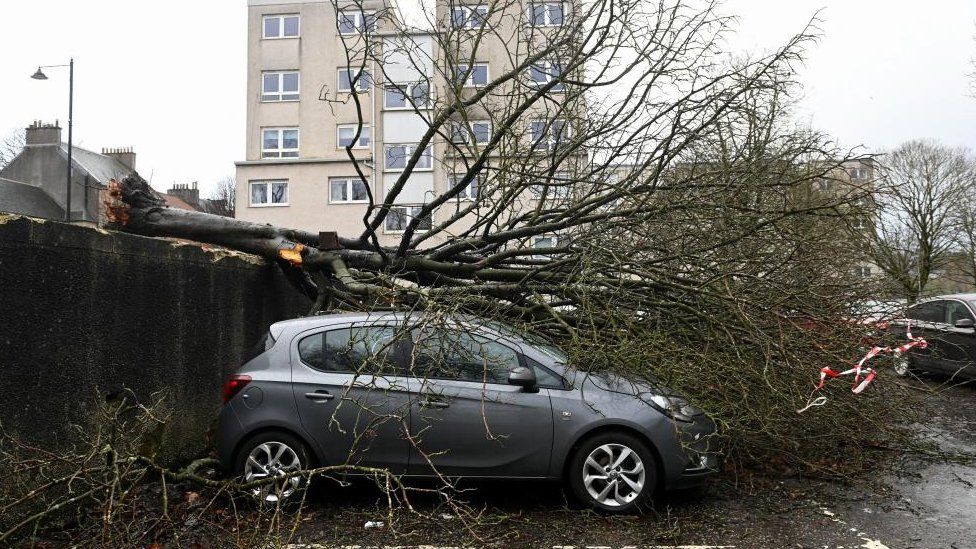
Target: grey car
pixel 458 397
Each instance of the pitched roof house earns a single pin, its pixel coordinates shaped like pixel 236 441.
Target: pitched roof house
pixel 34 182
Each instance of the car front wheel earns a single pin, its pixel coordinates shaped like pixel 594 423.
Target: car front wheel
pixel 276 456
pixel 613 473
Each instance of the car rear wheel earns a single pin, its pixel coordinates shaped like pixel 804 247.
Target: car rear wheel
pixel 613 473
pixel 273 454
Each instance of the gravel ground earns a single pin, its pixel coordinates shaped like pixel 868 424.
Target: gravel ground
pixel 927 504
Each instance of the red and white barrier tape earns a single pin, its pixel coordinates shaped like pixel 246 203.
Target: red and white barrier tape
pixel 863 376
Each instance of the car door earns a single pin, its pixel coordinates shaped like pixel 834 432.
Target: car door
pixel 467 420
pixel 926 321
pixel 958 344
pixel 351 394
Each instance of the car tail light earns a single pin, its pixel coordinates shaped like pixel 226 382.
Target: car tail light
pixel 234 384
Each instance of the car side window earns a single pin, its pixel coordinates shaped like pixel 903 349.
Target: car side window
pixel 955 311
pixel 931 311
pixel 456 354
pixel 363 349
pixel 544 376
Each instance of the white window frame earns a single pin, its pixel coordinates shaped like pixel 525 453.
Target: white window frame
pixel 548 70
pixel 858 173
pixel 365 81
pixel 550 142
pixel 281 26
pixel 280 93
pixel 468 16
pixel 359 21
pixel 529 14
pixel 537 238
pixel 366 134
pixel 469 81
pixel 269 183
pixel 555 191
pixel 410 149
pixel 410 211
pixel 466 194
pixel 407 91
pixel 349 182
pixel 462 133
pixel 281 152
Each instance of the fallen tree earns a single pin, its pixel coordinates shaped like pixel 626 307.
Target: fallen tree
pixel 694 232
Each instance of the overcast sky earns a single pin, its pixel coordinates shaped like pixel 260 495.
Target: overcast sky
pixel 167 78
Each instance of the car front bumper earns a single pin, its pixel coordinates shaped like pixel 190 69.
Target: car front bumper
pixel 698 442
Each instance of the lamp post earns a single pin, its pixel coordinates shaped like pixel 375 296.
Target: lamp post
pixel 39 75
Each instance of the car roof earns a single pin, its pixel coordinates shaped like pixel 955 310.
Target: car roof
pixel 308 322
pixel 962 297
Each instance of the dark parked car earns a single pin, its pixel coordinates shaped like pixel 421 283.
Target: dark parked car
pixel 947 324
pixel 465 398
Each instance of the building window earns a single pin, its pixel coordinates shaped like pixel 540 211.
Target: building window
pixel 347 190
pixel 407 96
pixel 356 22
pixel 543 73
pixel 269 193
pixel 346 132
pixel 858 173
pixel 478 75
pixel 281 26
pixel 545 14
pixel 469 191
pixel 398 155
pixel 542 242
pixel 279 143
pixel 550 134
pixel 863 272
pixel 279 86
pixel 469 17
pixel 347 77
pixel 476 131
pixel 399 217
pixel 557 187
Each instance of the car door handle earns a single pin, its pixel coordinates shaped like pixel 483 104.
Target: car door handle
pixel 319 395
pixel 428 403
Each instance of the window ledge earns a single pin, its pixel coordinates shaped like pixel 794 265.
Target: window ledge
pixel 269 205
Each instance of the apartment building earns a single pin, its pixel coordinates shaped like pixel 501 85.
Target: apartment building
pixel 317 69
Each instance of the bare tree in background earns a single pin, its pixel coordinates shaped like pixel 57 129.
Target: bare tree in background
pixel 966 237
pixel 11 146
pixel 222 200
pixel 926 186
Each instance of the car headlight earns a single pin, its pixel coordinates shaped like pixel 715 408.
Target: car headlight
pixel 674 407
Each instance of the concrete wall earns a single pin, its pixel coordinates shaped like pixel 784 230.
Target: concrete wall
pixel 85 312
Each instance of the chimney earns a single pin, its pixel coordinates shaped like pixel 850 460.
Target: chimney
pixel 40 133
pixel 125 156
pixel 188 192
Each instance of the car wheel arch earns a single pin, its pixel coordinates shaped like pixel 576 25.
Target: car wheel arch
pixel 309 448
pixel 615 428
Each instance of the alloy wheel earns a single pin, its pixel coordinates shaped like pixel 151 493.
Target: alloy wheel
pixel 613 475
pixel 273 459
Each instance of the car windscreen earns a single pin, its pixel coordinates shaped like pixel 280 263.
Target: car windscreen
pixel 535 341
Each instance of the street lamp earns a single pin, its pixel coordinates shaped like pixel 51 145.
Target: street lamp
pixel 39 75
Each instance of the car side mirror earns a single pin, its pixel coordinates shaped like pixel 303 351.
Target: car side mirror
pixel 965 323
pixel 523 377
